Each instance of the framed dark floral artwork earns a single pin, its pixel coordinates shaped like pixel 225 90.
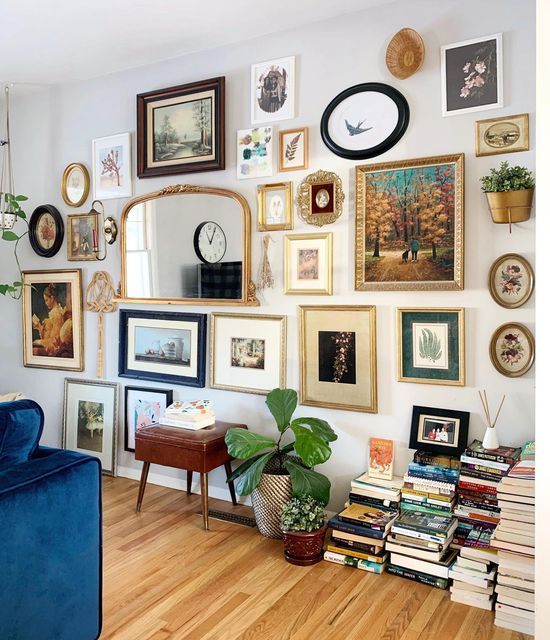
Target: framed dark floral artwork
pixel 512 349
pixel 511 280
pixel 46 230
pixel 439 431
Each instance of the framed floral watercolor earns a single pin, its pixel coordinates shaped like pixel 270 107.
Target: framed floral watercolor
pixel 512 349
pixel 247 352
pixel 430 346
pixel 254 153
pixel 112 174
pixel 293 149
pixel 82 237
pixel 338 357
pixel 502 135
pixel 471 75
pixel 511 280
pixel 439 431
pixel 143 406
pixel 46 231
pixel 308 263
pixel 272 90
pixel 275 206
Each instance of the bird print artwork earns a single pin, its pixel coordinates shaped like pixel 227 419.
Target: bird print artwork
pixel 354 131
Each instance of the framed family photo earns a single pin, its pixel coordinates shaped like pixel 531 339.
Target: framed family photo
pixel 275 206
pixel 272 90
pixel 181 129
pixel 338 357
pixel 308 263
pixel 53 332
pixel 293 149
pixel 82 236
pixel 112 169
pixel 431 346
pixel 90 420
pixel 247 352
pixel 502 135
pixel 511 280
pixel 439 431
pixel 163 347
pixel 255 153
pixel 143 406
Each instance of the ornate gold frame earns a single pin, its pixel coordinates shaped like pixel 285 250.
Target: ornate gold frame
pixel 424 285
pixel 275 186
pixel 308 236
pixel 530 341
pixel 492 271
pixel 95 249
pixel 248 297
pixel 65 179
pixel 523 117
pixel 303 130
pixel 303 198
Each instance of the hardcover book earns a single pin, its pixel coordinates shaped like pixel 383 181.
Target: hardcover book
pixel 424 578
pixel 449 462
pixel 381 458
pixel 350 561
pixel 427 523
pixel 367 516
pixel 502 454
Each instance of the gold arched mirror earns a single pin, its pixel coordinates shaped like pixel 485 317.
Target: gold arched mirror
pixel 187 244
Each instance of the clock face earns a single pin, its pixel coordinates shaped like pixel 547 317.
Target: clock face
pixel 210 242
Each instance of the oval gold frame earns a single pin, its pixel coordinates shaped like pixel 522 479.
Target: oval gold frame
pixel 303 198
pixel 248 297
pixel 529 270
pixel 530 341
pixel 65 179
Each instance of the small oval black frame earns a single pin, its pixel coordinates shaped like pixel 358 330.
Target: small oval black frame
pixel 59 230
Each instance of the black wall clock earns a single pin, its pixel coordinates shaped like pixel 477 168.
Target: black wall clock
pixel 210 242
pixel 46 230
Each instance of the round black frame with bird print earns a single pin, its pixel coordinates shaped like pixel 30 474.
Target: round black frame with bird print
pixel 372 108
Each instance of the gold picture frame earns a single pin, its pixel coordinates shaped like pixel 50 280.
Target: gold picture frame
pixel 82 237
pixel 275 206
pixel 293 149
pixel 338 357
pixel 75 184
pixel 308 264
pixel 506 134
pixel 507 340
pixel 509 270
pixel 320 198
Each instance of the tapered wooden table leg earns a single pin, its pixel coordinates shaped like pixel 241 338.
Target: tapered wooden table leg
pixel 189 481
pixel 142 483
pixel 228 472
pixel 204 498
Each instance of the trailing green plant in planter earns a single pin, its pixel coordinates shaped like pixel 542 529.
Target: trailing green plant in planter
pixel 507 178
pixel 14 289
pixel 302 514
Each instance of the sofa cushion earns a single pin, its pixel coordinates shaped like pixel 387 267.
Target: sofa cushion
pixel 21 424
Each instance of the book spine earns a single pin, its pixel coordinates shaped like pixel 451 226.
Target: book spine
pixel 379 503
pixel 497 473
pixel 448 462
pixel 432 486
pixel 373 531
pixel 473 515
pixel 487 464
pixel 355 553
pixel 351 561
pixel 347 527
pixel 477 496
pixel 427 494
pixel 480 475
pixel 490 456
pixel 415 533
pixel 425 528
pixel 474 504
pixel 426 507
pixel 352 545
pixel 424 578
pixel 422 473
pixel 472 486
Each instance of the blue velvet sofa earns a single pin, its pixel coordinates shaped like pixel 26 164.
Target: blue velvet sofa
pixel 50 534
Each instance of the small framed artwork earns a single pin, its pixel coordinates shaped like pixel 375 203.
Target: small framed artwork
pixel 248 352
pixel 308 263
pixel 512 349
pixel 90 420
pixel 511 281
pixel 381 458
pixel 320 198
pixel 181 129
pixel 423 250
pixel 53 332
pixel 143 407
pixel 338 357
pixel 439 431
pixel 162 346
pixel 502 135
pixel 272 90
pixel 365 120
pixel 112 174
pixel 431 346
pixel 293 149
pixel 275 206
pixel 471 75
pixel 255 153
pixel 46 231
pixel 75 185
pixel 82 237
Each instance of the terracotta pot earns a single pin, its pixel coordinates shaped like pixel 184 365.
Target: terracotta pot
pixel 510 206
pixel 304 547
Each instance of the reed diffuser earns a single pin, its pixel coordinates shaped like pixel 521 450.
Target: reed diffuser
pixel 490 439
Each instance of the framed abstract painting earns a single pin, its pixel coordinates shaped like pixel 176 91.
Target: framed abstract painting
pixel 255 153
pixel 143 406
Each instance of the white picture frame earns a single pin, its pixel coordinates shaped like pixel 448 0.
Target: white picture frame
pixel 112 167
pixel 272 90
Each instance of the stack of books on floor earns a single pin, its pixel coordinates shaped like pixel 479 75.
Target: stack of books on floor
pixel 477 510
pixel 514 539
pixel 190 414
pixel 473 576
pixel 358 533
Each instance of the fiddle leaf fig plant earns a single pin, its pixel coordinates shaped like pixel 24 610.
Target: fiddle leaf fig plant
pixel 311 446
pixel 14 289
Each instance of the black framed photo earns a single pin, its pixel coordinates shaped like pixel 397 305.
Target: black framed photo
pixel 440 431
pixel 46 230
pixel 163 347
pixel 143 406
pixel 365 120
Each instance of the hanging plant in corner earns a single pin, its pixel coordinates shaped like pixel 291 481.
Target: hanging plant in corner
pixel 10 212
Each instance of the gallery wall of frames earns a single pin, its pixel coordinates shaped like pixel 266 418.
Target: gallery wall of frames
pixel 382 280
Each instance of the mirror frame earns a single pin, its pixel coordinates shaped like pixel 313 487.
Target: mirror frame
pixel 248 293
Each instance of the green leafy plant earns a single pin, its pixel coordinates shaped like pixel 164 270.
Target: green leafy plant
pixel 302 514
pixel 14 289
pixel 311 446
pixel 429 345
pixel 507 178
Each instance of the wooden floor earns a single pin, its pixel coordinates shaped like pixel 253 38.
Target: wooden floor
pixel 164 577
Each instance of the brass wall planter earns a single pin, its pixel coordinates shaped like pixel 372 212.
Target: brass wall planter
pixel 510 206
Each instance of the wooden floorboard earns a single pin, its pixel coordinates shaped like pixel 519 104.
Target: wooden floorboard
pixel 167 579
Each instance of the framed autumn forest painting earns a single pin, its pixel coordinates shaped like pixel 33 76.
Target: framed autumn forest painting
pixel 409 225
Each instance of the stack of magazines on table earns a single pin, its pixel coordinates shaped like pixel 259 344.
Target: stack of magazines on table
pixel 189 414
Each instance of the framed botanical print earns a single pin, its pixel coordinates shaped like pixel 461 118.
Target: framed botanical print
pixel 439 431
pixel 275 206
pixel 90 420
pixel 409 228
pixel 272 90
pixel 75 185
pixel 112 169
pixel 502 135
pixel 293 149
pixel 338 357
pixel 471 75
pixel 308 263
pixel 320 198
pixel 46 231
pixel 143 406
pixel 162 346
pixel 53 332
pixel 254 153
pixel 181 129
pixel 82 237
pixel 248 352
pixel 511 280
pixel 512 349
pixel 431 346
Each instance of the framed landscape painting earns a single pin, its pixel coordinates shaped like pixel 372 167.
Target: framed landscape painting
pixel 112 174
pixel 143 406
pixel 409 225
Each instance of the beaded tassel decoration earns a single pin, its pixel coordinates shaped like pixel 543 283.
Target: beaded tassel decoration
pixel 265 275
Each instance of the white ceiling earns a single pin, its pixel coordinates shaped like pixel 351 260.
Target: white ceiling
pixel 56 41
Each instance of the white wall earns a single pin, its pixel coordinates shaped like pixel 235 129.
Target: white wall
pixel 56 128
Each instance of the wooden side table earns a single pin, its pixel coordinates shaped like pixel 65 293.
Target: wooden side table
pixel 200 451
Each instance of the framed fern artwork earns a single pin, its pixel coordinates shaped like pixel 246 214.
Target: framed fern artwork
pixel 431 346
pixel 293 149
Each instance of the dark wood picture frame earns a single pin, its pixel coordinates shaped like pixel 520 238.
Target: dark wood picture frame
pixel 34 222
pixel 168 393
pixel 461 420
pixel 217 85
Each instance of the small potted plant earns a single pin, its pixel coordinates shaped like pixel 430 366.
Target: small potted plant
pixel 509 193
pixel 303 526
